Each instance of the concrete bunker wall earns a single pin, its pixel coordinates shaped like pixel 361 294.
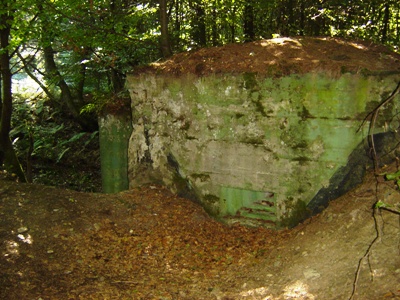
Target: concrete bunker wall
pixel 252 149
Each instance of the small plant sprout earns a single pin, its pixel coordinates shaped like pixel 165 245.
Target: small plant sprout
pixel 382 205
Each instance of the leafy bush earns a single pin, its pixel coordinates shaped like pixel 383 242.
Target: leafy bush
pixel 51 146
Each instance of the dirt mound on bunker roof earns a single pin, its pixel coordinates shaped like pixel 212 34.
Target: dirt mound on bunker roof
pixel 283 56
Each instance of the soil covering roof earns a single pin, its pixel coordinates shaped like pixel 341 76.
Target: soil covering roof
pixel 283 56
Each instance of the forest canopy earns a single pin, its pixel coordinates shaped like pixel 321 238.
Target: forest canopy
pixel 79 52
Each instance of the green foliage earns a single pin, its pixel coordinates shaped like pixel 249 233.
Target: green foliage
pixel 109 102
pixel 49 143
pixel 383 205
pixel 104 34
pixel 223 20
pixel 97 41
pixel 394 176
pixel 380 204
pixel 40 133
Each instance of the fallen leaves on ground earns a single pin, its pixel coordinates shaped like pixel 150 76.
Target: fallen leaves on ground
pixel 146 242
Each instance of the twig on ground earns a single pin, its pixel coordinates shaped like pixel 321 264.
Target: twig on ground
pixel 391 210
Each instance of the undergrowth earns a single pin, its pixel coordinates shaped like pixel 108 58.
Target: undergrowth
pixel 52 149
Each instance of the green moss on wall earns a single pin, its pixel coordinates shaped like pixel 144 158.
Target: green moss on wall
pixel 115 131
pixel 289 134
pixel 297 211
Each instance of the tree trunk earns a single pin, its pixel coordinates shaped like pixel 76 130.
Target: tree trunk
pixel 54 75
pixel 165 43
pixel 248 26
pixel 28 71
pixel 8 158
pixel 66 95
pixel 214 28
pixel 281 18
pixel 302 18
pixel 6 76
pixel 398 24
pixel 117 81
pixel 80 86
pixel 199 25
pixel 386 20
pixel 73 104
pixel 177 25
pixel 290 16
pixel 232 25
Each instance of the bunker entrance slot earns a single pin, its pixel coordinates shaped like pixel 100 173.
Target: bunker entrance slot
pixel 258 206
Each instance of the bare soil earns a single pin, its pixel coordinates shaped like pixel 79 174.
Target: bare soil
pixel 282 57
pixel 150 244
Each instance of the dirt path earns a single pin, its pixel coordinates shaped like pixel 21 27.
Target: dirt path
pixel 149 244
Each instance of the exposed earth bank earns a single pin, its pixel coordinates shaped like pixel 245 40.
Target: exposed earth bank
pixel 149 244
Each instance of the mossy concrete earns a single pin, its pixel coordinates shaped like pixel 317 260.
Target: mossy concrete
pixel 115 131
pixel 250 148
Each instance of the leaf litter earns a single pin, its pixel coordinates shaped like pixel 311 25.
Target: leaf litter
pixel 147 243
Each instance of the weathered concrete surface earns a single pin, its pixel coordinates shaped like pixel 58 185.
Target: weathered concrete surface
pixel 115 130
pixel 251 148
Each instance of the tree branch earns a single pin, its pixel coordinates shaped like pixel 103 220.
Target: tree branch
pixel 31 75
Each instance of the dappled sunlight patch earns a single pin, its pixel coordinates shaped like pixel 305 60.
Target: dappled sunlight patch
pixel 298 290
pixel 25 238
pixel 12 249
pixel 358 46
pixel 257 292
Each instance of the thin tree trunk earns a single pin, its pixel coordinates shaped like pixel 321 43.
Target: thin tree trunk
pixel 290 16
pixel 66 94
pixel 6 76
pixel 54 75
pixel 248 26
pixel 80 86
pixel 73 104
pixel 165 43
pixel 33 77
pixel 177 24
pixel 398 24
pixel 386 20
pixel 8 158
pixel 302 18
pixel 214 28
pixel 199 25
pixel 117 80
pixel 232 25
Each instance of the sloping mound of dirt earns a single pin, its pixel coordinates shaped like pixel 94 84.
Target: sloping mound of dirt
pixel 149 244
pixel 283 56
